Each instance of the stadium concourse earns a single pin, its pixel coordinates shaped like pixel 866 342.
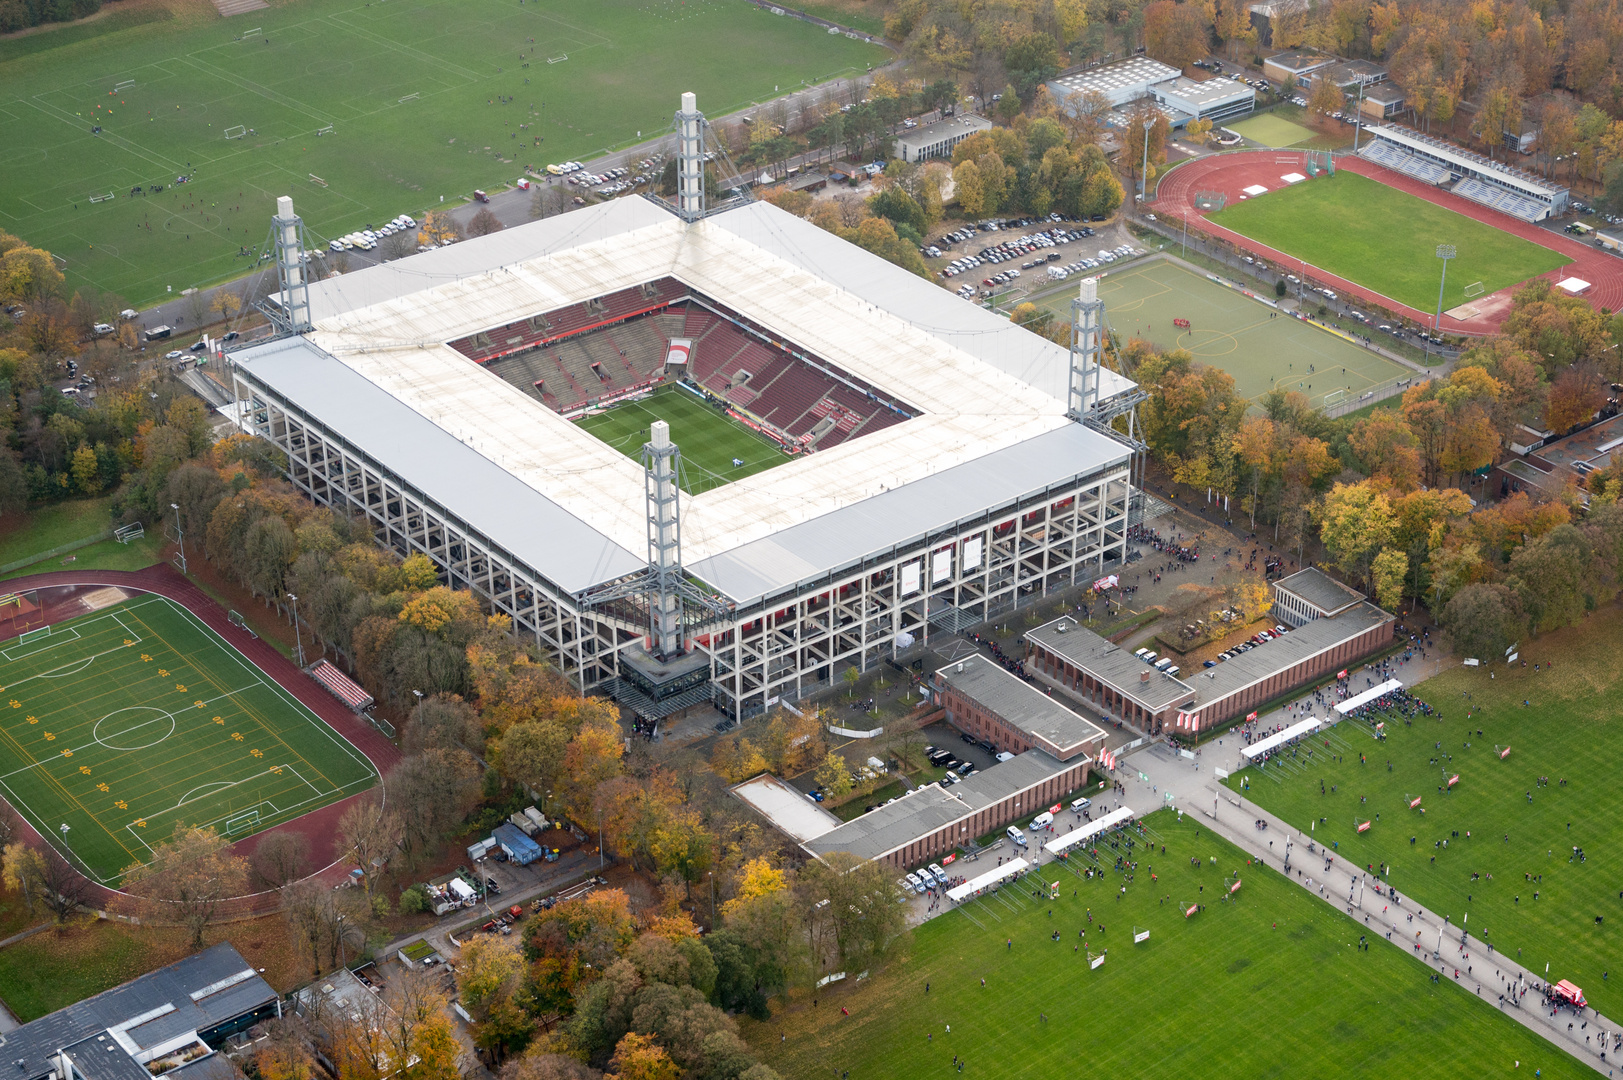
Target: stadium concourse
pixel 1233 173
pixel 58 592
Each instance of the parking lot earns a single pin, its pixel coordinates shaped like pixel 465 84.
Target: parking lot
pixel 1023 255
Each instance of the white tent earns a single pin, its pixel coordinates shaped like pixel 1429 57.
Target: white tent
pixel 977 885
pixel 1280 738
pixel 1090 830
pixel 1368 696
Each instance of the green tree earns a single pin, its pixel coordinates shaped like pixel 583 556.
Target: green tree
pixel 1389 570
pixel 1484 620
pixel 1356 523
pixel 86 474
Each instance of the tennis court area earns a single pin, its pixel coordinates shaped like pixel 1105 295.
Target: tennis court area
pixel 122 725
pixel 710 441
pixel 1260 347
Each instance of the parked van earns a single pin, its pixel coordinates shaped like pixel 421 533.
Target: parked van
pixel 1081 804
pixel 1140 653
pixel 1163 663
pixel 1017 836
pixel 1042 821
pixel 1148 657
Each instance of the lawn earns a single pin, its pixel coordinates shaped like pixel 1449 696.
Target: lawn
pixel 1569 733
pixel 1232 331
pixel 49 527
pixel 135 719
pixel 107 555
pixel 1270 985
pixel 1273 131
pixel 1386 240
pixel 417 104
pixel 709 441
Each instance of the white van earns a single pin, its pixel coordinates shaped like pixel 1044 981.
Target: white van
pixel 1042 821
pixel 1163 663
pixel 1081 805
pixel 1017 836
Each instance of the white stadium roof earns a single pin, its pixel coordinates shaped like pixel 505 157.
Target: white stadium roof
pixel 378 370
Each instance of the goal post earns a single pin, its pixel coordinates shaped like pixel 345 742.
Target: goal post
pixel 127 533
pixel 237 131
pixel 120 87
pixel 251 33
pixel 1474 289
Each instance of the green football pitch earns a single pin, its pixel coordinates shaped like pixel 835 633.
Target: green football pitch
pixel 424 101
pixel 1503 827
pixel 129 722
pixel 1271 985
pixel 1234 332
pixel 1386 239
pixel 1273 131
pixel 709 440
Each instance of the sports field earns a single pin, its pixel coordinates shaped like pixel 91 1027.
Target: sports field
pixel 1272 985
pixel 709 440
pixel 423 101
pixel 1570 733
pixel 1234 332
pixel 1386 240
pixel 136 718
pixel 1273 131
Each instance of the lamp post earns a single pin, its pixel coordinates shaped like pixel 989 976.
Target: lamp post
pixel 600 839
pixel 181 536
pixel 711 874
pixel 1445 252
pixel 297 637
pixel 1143 178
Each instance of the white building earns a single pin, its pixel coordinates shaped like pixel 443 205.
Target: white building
pixel 1139 78
pixel 937 140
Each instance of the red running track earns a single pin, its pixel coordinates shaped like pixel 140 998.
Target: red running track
pixel 1231 174
pixel 319 827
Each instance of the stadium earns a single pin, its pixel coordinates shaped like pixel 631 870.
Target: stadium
pixel 915 464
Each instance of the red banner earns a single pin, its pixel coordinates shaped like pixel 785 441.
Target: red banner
pixel 1250 717
pixel 1342 674
pixel 1452 780
pixel 1364 827
pixel 1415 803
pixel 1191 910
pixel 1503 754
pixel 1234 888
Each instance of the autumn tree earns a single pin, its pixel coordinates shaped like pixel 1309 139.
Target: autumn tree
pixel 1355 524
pixel 1577 394
pixel 369 832
pixel 431 792
pixel 639 1057
pixel 1176 34
pixel 279 858
pixel 1325 99
pixel 44 882
pixel 1484 620
pixel 484 223
pixel 834 777
pixel 186 879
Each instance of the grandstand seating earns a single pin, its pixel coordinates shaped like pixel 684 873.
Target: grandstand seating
pixel 565 321
pixel 1508 202
pixel 1400 160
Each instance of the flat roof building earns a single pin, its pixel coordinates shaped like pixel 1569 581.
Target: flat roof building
pixel 1350 73
pixel 1214 99
pixel 932 821
pixel 1382 102
pixel 1243 683
pixel 1104 676
pixel 1311 594
pixel 1294 64
pixel 984 700
pixel 169 1023
pixel 938 139
pixel 1121 82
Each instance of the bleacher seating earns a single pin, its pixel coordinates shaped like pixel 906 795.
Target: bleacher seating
pixel 1508 202
pixel 1399 160
pixel 565 321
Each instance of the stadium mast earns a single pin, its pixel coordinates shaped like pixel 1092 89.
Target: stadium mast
pixel 1087 350
pixel 690 125
pixel 660 461
pixel 287 230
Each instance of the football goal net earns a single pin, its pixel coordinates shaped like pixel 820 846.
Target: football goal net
pixel 1474 290
pixel 237 131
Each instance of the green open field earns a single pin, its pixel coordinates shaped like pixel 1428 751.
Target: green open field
pixel 1569 733
pixel 1231 331
pixel 426 100
pixel 1271 130
pixel 1272 985
pixel 709 440
pixel 1386 240
pixel 133 719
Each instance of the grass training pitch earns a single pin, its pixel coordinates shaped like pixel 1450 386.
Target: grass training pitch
pixel 1385 239
pixel 1568 733
pixel 1231 331
pixel 708 438
pixel 1273 131
pixel 135 719
pixel 1272 984
pixel 421 103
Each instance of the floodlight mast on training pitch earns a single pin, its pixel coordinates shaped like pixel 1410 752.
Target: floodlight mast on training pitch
pixel 1445 252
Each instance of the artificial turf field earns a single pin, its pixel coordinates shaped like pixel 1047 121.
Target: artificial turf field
pixel 417 96
pixel 136 718
pixel 1233 332
pixel 708 439
pixel 1571 733
pixel 1386 239
pixel 1273 131
pixel 1272 985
